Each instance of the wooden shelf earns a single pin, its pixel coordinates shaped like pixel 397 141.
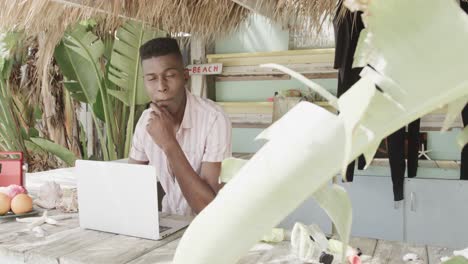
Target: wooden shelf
pixel 281 57
pixel 314 64
pixel 379 162
pixel 249 114
pixel 254 114
pixel 260 115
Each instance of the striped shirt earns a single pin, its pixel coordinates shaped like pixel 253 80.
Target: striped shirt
pixel 204 135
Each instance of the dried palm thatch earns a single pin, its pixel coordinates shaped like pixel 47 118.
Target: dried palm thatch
pixel 207 19
pixel 47 20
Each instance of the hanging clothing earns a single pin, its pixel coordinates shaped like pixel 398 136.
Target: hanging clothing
pixel 396 153
pixel 464 153
pixel 347 30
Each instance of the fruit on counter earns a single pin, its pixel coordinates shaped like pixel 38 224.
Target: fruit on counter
pixel 21 203
pixel 13 190
pixel 5 201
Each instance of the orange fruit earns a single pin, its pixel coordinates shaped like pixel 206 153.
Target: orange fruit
pixel 21 203
pixel 5 201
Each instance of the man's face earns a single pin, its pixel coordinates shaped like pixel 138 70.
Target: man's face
pixel 165 81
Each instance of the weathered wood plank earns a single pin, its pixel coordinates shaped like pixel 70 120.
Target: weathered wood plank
pixel 53 233
pixel 270 253
pixel 436 253
pixel 247 107
pixel 265 119
pixel 427 163
pixel 306 68
pixel 28 238
pixel 281 57
pixel 163 254
pixel 254 255
pixel 435 120
pixel 243 155
pixel 254 114
pixel 250 125
pixel 115 250
pixel 366 245
pixel 12 251
pixel 252 78
pixel 264 77
pixel 447 164
pixel 64 243
pixel 391 252
pixel 280 253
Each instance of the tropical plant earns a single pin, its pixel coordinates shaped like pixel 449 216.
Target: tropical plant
pixel 106 74
pixel 15 128
pixel 11 137
pixel 18 115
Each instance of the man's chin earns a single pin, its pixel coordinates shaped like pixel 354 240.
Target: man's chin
pixel 166 105
pixel 162 103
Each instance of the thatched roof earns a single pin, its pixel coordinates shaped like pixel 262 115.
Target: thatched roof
pixel 205 18
pixel 46 20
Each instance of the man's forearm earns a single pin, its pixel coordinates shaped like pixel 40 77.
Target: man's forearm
pixel 195 190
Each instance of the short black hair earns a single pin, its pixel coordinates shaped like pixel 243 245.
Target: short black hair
pixel 159 47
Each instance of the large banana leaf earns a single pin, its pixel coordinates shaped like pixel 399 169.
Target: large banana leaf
pixel 125 69
pixel 64 154
pixel 78 56
pixel 81 78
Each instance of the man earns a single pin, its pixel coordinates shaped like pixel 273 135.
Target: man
pixel 183 136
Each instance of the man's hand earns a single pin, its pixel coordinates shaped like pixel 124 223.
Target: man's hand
pixel 162 127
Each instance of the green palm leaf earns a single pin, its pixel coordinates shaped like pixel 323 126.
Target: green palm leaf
pixel 125 69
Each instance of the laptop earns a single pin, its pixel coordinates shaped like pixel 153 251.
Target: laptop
pixel 122 198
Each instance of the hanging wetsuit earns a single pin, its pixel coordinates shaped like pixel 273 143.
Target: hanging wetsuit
pixel 464 153
pixel 396 155
pixel 347 31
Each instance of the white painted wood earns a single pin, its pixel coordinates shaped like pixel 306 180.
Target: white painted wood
pixel 198 84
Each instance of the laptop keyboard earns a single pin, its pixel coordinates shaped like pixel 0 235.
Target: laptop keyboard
pixel 163 228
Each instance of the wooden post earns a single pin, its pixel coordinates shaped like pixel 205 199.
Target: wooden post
pixel 210 79
pixel 202 85
pixel 198 55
